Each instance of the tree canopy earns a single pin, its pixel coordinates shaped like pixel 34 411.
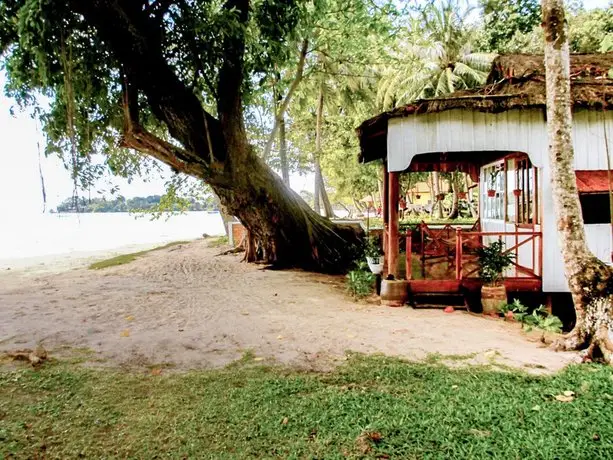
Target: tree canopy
pixel 217 88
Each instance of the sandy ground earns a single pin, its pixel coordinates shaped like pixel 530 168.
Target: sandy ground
pixel 56 263
pixel 183 307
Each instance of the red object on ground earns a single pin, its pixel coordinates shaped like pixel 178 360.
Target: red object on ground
pixel 449 310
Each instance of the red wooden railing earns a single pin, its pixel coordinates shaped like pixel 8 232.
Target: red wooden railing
pixel 475 240
pixel 460 248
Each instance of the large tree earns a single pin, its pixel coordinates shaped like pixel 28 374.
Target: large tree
pixel 589 279
pixel 171 79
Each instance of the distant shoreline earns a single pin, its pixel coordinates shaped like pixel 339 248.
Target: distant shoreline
pixel 56 263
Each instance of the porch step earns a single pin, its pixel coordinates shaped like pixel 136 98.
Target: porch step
pixel 438 300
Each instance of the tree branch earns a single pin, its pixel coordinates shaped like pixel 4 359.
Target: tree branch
pixel 134 136
pixel 134 39
pixel 229 103
pixel 285 104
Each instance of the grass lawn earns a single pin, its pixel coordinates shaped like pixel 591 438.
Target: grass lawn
pixel 372 407
pixel 130 257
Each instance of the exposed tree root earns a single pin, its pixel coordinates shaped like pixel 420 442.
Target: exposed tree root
pixel 593 332
pixel 235 250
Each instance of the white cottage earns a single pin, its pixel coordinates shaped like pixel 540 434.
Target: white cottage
pixel 498 134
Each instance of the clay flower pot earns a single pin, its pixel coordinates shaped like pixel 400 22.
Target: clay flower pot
pixel 517 192
pixel 462 195
pixel 418 196
pixel 394 293
pixel 491 193
pixel 492 297
pixel 440 196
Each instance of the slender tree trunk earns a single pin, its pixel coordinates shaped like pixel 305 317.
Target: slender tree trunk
pixel 283 104
pixel 471 205
pixel 359 208
pixel 316 192
pixel 325 199
pixel 380 197
pixel 455 188
pixel 590 280
pixel 436 186
pixel 283 151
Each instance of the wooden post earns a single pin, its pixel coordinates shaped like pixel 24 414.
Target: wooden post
pixel 409 255
pixel 392 241
pixel 385 216
pixel 458 253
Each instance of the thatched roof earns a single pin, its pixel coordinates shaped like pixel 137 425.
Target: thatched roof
pixel 515 81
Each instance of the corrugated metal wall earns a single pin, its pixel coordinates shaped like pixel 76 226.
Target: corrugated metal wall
pixel 513 131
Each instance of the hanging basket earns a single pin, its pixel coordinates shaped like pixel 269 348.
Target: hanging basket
pixel 375 264
pixel 517 192
pixel 491 193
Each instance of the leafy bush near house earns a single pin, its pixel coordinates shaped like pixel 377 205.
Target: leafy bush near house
pixel 360 282
pixel 538 318
pixel 372 247
pixel 493 262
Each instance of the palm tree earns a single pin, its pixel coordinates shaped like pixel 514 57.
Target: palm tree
pixel 435 57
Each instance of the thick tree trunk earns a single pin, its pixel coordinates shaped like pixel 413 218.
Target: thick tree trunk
pixel 590 281
pixel 283 152
pixel 320 187
pixel 283 229
pixel 436 187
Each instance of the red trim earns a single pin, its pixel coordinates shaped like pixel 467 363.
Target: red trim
pixel 592 181
pixel 426 286
pixel 392 241
pixel 473 284
pixel 409 255
pixel 385 213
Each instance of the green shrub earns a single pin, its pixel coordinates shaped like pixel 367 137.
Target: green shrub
pixel 538 318
pixel 360 282
pixel 372 247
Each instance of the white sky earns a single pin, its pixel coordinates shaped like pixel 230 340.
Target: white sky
pixel 20 185
pixel 20 188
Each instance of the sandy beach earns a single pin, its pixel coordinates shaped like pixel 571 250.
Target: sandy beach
pixel 185 307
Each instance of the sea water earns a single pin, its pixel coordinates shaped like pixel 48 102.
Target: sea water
pixel 37 235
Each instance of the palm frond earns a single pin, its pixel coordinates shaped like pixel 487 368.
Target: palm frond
pixel 479 61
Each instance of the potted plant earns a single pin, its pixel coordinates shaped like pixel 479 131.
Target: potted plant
pixel 374 256
pixel 462 195
pixel 440 196
pixel 493 261
pixel 491 192
pixel 517 192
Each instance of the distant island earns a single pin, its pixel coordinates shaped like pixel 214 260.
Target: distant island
pixel 123 204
